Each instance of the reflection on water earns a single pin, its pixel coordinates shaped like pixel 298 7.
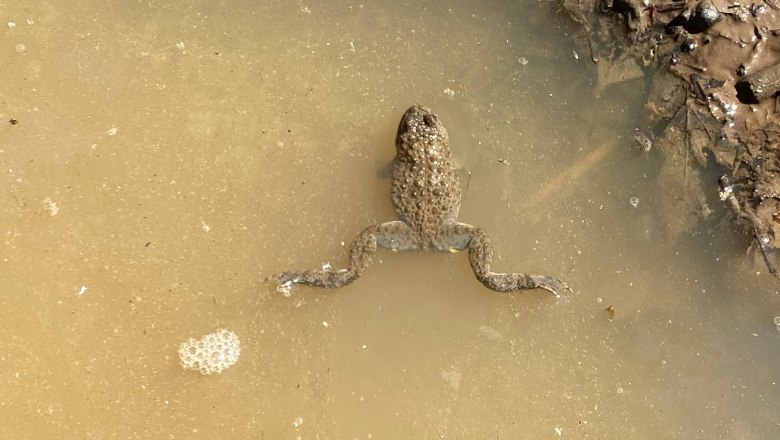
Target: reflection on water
pixel 167 157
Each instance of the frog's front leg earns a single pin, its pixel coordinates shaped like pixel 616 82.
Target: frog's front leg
pixel 481 256
pixel 391 235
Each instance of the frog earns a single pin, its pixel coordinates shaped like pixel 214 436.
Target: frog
pixel 426 194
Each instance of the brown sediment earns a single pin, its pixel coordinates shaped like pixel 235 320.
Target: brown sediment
pixel 714 70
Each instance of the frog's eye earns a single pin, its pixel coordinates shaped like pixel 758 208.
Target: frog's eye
pixel 429 120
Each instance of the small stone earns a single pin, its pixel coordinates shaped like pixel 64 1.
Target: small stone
pixel 644 142
pixel 689 45
pixel 726 193
pixel 21 48
pixel 634 201
pixel 11 24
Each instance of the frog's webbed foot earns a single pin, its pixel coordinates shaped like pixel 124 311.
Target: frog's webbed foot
pixel 512 282
pixel 481 256
pixel 325 278
pixel 360 255
pixel 555 286
pixel 518 281
pixel 390 235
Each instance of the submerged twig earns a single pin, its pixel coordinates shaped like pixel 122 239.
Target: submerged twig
pixel 765 248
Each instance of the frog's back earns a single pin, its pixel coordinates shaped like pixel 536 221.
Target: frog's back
pixel 425 186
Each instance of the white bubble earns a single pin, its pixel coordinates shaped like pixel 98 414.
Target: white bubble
pixel 212 353
pixel 51 207
pixel 634 201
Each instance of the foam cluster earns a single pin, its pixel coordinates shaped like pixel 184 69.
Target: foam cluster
pixel 212 353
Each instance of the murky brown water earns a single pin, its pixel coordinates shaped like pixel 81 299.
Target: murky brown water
pixel 168 156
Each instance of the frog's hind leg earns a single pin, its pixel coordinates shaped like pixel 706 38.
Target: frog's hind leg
pixel 391 235
pixel 481 256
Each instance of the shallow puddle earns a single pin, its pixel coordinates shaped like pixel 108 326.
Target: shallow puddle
pixel 167 157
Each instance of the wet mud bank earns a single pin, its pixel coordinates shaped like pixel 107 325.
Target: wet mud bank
pixel 712 69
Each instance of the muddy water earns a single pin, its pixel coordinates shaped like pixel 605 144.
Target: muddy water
pixel 166 157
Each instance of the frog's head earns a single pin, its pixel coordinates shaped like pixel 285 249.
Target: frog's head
pixel 419 131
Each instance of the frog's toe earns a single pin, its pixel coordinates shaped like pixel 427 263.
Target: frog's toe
pixel 284 281
pixel 555 287
pixel 285 288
